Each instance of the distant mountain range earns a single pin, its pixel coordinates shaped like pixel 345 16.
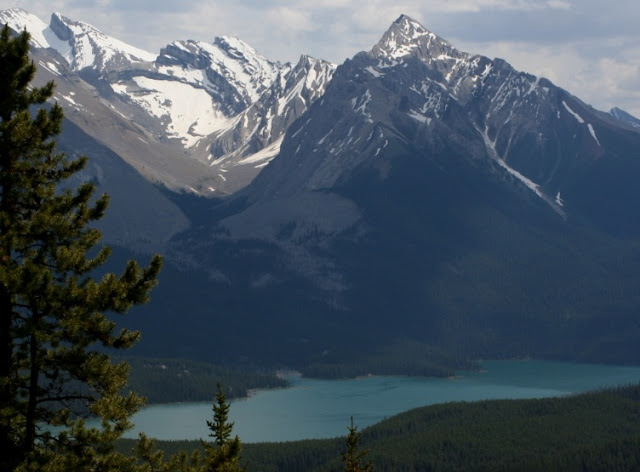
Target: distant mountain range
pixel 415 192
pixel 214 114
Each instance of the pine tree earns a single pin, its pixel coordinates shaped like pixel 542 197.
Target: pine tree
pixel 152 460
pixel 353 457
pixel 220 427
pixel 225 454
pixel 54 330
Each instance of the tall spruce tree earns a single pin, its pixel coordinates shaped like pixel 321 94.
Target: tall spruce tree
pixel 224 455
pixel 353 458
pixel 55 332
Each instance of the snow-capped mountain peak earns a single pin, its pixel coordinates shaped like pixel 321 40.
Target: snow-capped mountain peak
pixel 414 87
pixel 234 70
pixel 410 28
pixel 80 44
pixel 405 37
pixel 246 64
pixel 89 47
pixel 261 127
pixel 19 20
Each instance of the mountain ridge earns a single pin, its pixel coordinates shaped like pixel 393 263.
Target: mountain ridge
pixel 189 98
pixel 624 117
pixel 444 197
pixel 415 192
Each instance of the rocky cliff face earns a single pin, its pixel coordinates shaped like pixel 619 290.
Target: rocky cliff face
pixel 625 117
pixel 202 102
pixel 415 90
pixel 255 136
pixel 415 192
pixel 440 196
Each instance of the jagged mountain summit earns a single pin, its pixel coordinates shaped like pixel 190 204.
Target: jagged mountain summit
pixel 260 128
pixel 408 37
pixel 79 43
pixel 199 106
pixel 436 195
pixel 625 117
pixel 416 192
pixel 413 88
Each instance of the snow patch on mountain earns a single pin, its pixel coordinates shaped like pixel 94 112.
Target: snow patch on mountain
pixel 89 47
pixel 593 134
pixel 359 105
pixel 419 117
pixel 264 156
pixel 188 113
pixel 246 65
pixel 18 20
pixel 254 136
pixel 573 113
pixel 374 72
pixel 50 66
pixel 493 153
pixel 405 36
pixel 318 77
pixel 581 120
pixel 41 34
pixel 79 43
pixel 230 64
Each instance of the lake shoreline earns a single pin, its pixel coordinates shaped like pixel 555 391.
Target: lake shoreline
pixel 315 409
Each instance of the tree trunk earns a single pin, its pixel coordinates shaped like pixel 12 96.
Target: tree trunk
pixel 9 453
pixel 34 375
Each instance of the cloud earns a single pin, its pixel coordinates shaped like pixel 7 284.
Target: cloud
pixel 582 45
pixel 136 5
pixel 297 20
pixel 602 82
pixel 584 20
pixel 475 6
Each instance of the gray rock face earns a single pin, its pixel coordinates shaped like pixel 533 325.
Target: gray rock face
pixel 202 103
pixel 625 117
pixel 140 216
pixel 416 192
pixel 415 88
pixel 60 28
pixel 440 196
pixel 236 74
pixel 415 100
pixel 240 105
pixel 256 134
pixel 89 48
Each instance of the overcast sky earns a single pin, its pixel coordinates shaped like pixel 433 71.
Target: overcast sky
pixel 589 47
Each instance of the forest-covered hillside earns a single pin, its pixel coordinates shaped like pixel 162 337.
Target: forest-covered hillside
pixel 592 431
pixel 182 380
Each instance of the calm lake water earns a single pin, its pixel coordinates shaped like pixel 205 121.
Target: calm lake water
pixel 322 408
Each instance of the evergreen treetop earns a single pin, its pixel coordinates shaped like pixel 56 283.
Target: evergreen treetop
pixel 220 426
pixel 225 454
pixel 353 458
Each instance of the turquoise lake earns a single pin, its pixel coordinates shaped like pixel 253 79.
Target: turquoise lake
pixel 322 408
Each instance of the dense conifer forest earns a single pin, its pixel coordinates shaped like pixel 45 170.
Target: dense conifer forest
pixel 182 380
pixel 402 357
pixel 592 431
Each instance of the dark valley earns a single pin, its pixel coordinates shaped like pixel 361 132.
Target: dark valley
pixel 418 193
pixel 412 211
